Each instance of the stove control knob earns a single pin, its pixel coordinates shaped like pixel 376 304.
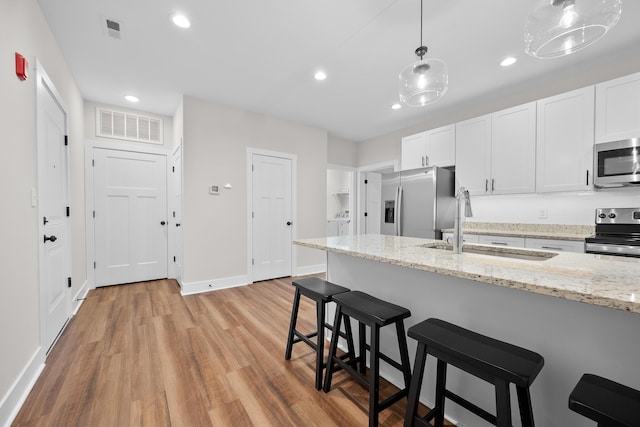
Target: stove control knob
pixel 612 215
pixel 603 216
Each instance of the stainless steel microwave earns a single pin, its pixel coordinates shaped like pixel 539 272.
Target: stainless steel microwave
pixel 617 163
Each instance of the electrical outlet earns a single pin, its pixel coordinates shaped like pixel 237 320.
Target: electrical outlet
pixel 542 213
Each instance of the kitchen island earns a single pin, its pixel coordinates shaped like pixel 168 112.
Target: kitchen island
pixel 580 311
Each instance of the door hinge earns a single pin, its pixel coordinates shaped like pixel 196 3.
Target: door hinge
pixel 253 261
pixel 252 215
pixel 68 282
pixel 66 140
pixel 94 214
pixel 174 259
pixel 94 265
pixel 173 169
pixel 93 162
pixel 252 168
pixel 365 214
pixel 68 211
pixel 366 181
pixel 174 214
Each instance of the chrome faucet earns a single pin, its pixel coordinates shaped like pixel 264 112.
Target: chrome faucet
pixel 462 193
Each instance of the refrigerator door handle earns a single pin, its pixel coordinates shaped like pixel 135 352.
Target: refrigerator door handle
pixel 398 211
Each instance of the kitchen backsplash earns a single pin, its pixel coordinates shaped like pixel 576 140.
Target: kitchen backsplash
pixel 558 208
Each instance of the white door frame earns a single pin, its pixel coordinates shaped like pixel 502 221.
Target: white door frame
pixel 90 199
pixel 175 185
pixel 294 204
pixel 43 77
pixel 390 166
pixel 353 196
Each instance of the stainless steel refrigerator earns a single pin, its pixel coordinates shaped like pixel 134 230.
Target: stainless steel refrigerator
pixel 418 202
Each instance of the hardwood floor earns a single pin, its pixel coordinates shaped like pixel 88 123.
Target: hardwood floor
pixel 143 355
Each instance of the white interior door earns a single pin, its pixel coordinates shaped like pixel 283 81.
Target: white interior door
pixel 373 200
pixel 176 178
pixel 130 216
pixel 272 217
pixel 54 256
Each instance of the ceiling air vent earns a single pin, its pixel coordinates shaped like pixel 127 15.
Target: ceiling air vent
pixel 127 126
pixel 113 28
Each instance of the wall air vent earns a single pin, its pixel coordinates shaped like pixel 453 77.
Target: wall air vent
pixel 127 126
pixel 112 28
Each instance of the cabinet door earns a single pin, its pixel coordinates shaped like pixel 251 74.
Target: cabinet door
pixel 618 109
pixel 555 245
pixel 414 151
pixel 513 150
pixel 441 146
pixel 502 241
pixel 565 141
pixel 473 154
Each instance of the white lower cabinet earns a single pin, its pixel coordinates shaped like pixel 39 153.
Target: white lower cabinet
pixel 501 241
pixel 555 245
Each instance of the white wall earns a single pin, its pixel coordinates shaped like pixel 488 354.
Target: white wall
pixel 215 145
pixel 341 152
pixel 25 30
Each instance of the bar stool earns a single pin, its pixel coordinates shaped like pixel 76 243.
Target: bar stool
pixel 321 292
pixel 375 313
pixel 494 361
pixel 606 402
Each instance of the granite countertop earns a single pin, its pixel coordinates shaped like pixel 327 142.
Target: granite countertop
pixel 538 231
pixel 602 280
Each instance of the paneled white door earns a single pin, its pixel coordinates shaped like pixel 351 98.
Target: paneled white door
pixel 373 200
pixel 176 194
pixel 272 217
pixel 130 216
pixel 54 253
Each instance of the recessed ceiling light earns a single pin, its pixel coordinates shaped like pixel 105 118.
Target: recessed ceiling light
pixel 509 60
pixel 320 75
pixel 181 20
pixel 396 106
pixel 132 98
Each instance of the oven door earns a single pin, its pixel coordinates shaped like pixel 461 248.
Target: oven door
pixel 617 163
pixel 612 249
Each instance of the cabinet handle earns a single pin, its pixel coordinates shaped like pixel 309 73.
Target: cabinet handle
pixel 587 177
pixel 500 243
pixel 493 184
pixel 427 158
pixel 486 185
pixel 552 248
pixel 422 160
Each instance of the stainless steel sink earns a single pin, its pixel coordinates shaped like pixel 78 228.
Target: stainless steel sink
pixel 517 253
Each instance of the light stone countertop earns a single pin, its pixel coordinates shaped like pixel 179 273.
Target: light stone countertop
pixel 538 231
pixel 602 280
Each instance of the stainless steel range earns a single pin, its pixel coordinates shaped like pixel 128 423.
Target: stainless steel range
pixel 617 232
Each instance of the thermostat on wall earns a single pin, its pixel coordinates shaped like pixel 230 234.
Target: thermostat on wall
pixel 213 189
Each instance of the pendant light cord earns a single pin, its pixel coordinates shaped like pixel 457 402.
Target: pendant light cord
pixel 421 23
pixel 421 50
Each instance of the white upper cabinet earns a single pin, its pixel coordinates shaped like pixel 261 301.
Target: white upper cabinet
pixel 513 150
pixel 618 109
pixel 473 154
pixel 565 141
pixel 435 147
pixel 441 146
pixel 414 151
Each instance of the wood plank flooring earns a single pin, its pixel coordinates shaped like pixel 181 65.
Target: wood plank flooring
pixel 143 355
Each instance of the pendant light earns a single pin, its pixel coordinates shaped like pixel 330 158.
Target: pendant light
pixel 424 81
pixel 557 28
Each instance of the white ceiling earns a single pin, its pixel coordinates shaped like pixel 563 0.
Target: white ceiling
pixel 261 55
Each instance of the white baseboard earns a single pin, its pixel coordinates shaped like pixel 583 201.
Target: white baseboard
pixel 310 269
pixel 17 394
pixel 79 298
pixel 190 288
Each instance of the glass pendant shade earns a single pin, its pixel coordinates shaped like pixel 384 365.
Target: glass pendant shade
pixel 423 82
pixel 556 28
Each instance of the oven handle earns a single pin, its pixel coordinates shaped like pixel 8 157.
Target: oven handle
pixel 608 249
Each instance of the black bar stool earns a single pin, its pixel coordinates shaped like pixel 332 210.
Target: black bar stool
pixel 375 313
pixel 494 361
pixel 606 402
pixel 321 292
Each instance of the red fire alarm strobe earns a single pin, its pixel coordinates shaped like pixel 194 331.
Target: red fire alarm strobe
pixel 21 67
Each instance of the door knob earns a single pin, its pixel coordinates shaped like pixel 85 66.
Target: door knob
pixel 288 222
pixel 178 224
pixel 51 238
pixel 162 223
